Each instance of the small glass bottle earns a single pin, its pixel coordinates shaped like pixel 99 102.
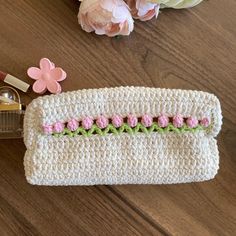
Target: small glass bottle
pixel 11 113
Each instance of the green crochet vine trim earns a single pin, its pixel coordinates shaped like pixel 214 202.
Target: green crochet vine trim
pixel 125 128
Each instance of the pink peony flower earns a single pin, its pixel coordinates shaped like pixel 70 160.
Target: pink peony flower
pixel 178 121
pixel 163 121
pixel 147 120
pixel 192 122
pixel 102 122
pixel 205 122
pixel 48 129
pixel 110 17
pixel 47 77
pixel 87 123
pixel 58 127
pixel 132 120
pixel 73 125
pixel 143 9
pixel 117 121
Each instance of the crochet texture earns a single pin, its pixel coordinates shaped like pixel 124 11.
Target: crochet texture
pixel 138 158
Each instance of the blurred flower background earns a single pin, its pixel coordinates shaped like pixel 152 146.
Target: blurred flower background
pixel 115 17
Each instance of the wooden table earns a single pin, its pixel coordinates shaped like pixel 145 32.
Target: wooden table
pixel 187 49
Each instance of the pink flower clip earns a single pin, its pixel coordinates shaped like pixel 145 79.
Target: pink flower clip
pixel 47 77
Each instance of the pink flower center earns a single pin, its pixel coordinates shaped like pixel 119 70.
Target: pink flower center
pixel 46 76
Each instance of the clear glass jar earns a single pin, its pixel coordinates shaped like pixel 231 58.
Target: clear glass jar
pixel 11 113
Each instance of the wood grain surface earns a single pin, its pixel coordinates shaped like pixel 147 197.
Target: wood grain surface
pixel 187 49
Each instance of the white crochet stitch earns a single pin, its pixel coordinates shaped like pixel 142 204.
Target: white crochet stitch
pixel 140 158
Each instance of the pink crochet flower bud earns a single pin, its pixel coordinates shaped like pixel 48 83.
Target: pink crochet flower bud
pixel 102 122
pixel 117 121
pixel 48 129
pixel 87 123
pixel 132 120
pixel 178 121
pixel 192 122
pixel 163 121
pixel 73 125
pixel 205 122
pixel 147 120
pixel 58 127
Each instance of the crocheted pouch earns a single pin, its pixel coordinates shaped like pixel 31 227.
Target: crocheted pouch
pixel 125 135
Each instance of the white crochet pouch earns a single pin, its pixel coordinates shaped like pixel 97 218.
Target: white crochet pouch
pixel 125 135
